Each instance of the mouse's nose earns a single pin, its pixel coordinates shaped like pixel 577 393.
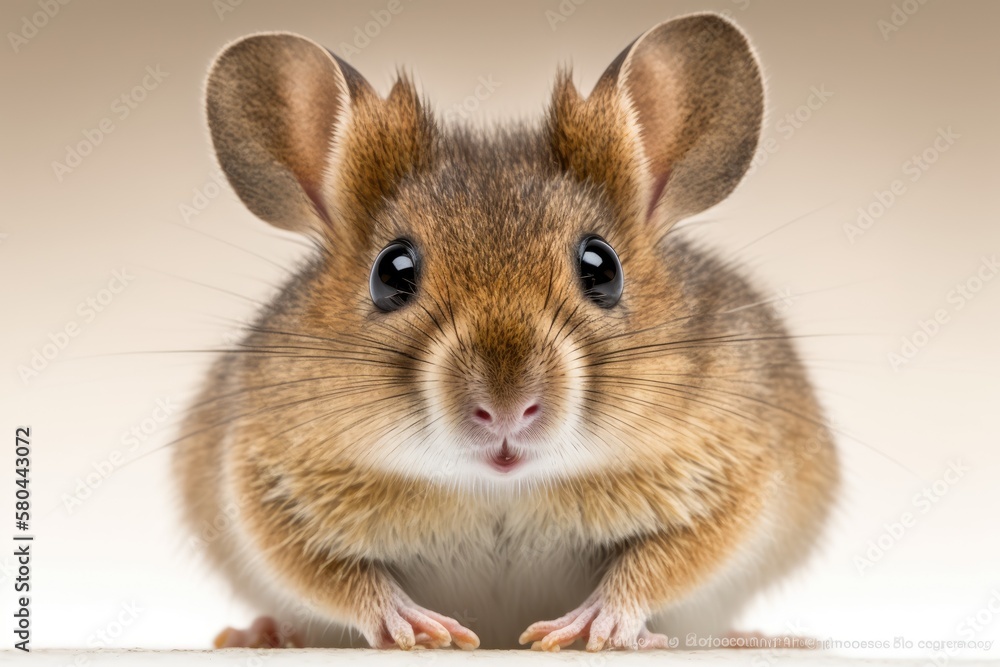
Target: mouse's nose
pixel 504 422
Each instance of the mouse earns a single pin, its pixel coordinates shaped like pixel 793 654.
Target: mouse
pixel 506 401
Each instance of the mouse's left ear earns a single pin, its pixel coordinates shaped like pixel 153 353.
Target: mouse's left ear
pixel 672 124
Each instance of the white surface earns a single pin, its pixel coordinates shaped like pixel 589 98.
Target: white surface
pixel 347 658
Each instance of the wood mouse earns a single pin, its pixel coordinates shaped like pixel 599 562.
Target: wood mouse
pixel 503 392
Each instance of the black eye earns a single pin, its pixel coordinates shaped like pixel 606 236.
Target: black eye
pixel 394 275
pixel 600 272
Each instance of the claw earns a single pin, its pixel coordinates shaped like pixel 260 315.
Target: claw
pixel 407 625
pixel 600 625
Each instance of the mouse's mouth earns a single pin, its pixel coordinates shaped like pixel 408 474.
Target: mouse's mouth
pixel 505 459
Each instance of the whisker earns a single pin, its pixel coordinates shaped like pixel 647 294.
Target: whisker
pixel 288 272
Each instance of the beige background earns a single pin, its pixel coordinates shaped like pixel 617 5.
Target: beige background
pixel 196 279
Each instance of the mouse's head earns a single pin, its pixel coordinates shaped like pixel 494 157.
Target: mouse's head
pixel 478 293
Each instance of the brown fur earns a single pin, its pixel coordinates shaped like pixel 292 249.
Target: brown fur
pixel 691 398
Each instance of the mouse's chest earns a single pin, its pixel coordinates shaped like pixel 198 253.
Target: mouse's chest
pixel 506 572
pixel 495 542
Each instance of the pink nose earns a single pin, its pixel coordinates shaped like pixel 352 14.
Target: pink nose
pixel 506 422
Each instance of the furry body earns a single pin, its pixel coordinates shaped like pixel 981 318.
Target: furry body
pixel 680 461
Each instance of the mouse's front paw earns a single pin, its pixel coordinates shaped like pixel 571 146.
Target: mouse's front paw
pixel 602 624
pixel 399 622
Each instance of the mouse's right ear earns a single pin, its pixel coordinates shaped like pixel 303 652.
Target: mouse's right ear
pixel 302 137
pixel 275 105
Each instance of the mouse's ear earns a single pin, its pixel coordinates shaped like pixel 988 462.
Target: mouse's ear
pixel 672 124
pixel 302 137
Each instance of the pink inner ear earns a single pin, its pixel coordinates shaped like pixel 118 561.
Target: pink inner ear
pixel 659 184
pixel 313 192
